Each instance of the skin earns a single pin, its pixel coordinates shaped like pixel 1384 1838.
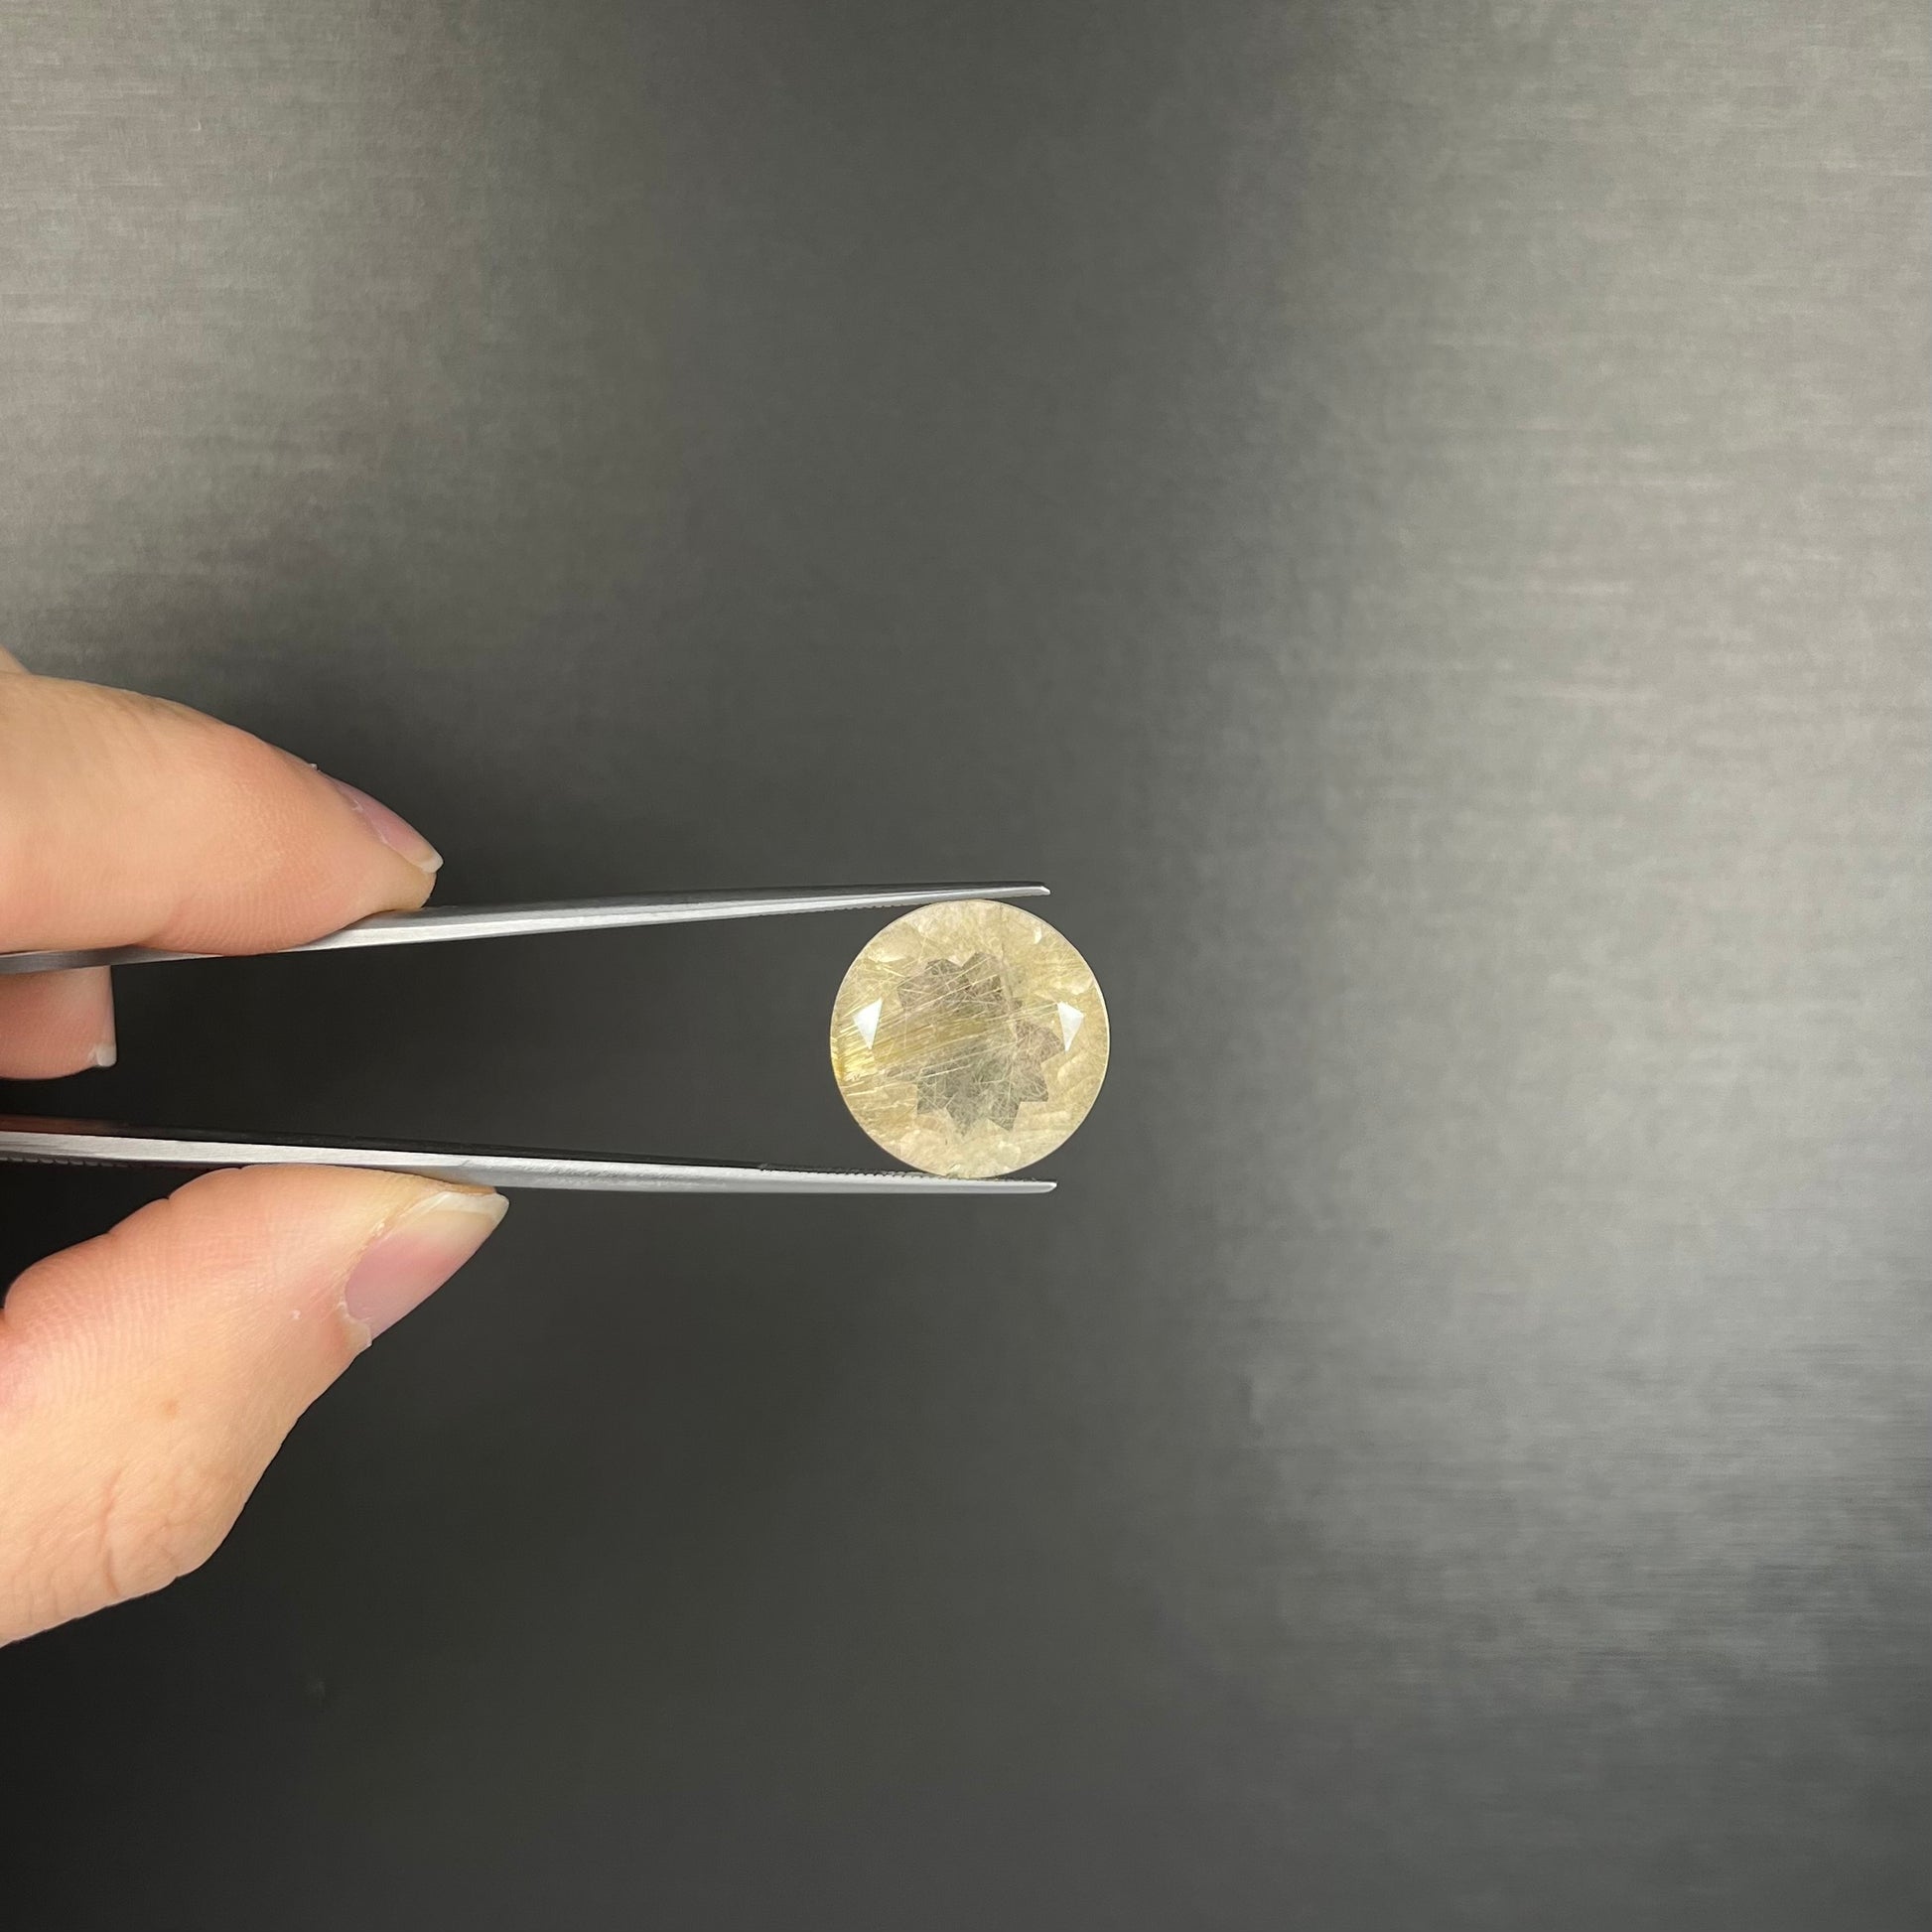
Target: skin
pixel 147 1376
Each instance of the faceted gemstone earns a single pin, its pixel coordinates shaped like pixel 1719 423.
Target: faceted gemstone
pixel 969 1038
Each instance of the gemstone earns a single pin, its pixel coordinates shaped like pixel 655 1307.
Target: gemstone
pixel 969 1038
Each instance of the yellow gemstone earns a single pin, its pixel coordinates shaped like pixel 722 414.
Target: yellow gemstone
pixel 969 1038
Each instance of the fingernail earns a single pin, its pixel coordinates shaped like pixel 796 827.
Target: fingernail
pixel 414 1256
pixel 391 828
pixel 94 986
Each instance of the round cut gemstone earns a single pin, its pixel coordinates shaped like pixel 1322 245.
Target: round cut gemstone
pixel 969 1038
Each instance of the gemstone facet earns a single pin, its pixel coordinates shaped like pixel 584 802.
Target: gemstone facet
pixel 969 1038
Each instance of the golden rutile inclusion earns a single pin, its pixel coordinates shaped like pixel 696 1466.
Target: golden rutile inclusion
pixel 969 1038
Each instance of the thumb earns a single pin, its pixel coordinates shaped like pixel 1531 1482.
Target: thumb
pixel 147 1376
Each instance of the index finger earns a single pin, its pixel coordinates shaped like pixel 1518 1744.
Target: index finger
pixel 127 820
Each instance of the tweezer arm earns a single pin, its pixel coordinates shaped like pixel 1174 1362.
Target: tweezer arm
pixel 568 915
pixel 84 1143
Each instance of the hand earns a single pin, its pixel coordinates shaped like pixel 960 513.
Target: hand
pixel 147 1376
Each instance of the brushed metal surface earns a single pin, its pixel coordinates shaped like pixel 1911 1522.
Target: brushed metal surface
pixel 438 924
pixel 99 1143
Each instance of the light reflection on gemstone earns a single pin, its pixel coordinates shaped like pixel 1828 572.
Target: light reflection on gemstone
pixel 969 1038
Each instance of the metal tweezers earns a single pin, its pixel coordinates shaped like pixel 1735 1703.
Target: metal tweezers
pixel 99 1142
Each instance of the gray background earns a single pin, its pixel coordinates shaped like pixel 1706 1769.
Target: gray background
pixel 1412 518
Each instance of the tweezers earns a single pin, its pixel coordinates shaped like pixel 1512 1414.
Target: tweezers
pixel 100 1143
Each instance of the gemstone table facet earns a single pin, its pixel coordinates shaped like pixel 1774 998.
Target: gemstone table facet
pixel 969 1038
